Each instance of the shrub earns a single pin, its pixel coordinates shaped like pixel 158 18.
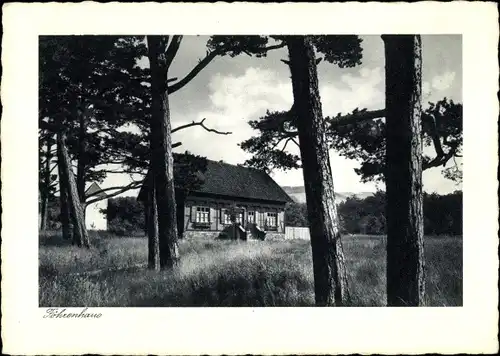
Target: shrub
pixel 442 214
pixel 125 216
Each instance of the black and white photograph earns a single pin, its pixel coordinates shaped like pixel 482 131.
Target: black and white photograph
pixel 203 177
pixel 252 171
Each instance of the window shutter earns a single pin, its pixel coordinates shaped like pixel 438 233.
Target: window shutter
pixel 221 216
pixel 193 213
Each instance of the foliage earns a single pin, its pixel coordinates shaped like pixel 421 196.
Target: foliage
pixel 364 141
pixel 360 140
pixel 53 214
pixel 266 155
pixel 235 45
pixel 91 87
pixel 365 216
pixel 188 171
pixel 125 216
pixel 442 214
pixel 342 50
pixel 296 214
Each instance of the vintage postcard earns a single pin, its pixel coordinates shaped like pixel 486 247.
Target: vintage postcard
pixel 249 178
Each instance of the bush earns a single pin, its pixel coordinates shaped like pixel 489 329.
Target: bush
pixel 296 214
pixel 122 227
pixel 125 216
pixel 442 214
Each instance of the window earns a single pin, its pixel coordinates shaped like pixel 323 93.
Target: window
pixel 251 217
pixel 272 221
pixel 226 217
pixel 262 219
pixel 202 215
pixel 239 217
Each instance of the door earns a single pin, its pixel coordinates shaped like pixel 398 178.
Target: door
pixel 240 213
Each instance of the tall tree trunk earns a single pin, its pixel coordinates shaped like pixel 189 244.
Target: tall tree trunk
pixel 162 157
pixel 330 277
pixel 180 201
pixel 63 201
pixel 152 228
pixel 403 175
pixel 80 236
pixel 45 191
pixel 44 205
pixel 146 216
pixel 82 154
pixel 82 149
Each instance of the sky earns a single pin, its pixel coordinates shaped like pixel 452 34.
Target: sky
pixel 229 92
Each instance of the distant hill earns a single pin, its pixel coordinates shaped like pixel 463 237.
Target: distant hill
pixel 298 194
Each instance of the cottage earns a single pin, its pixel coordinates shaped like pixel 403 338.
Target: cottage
pixel 233 201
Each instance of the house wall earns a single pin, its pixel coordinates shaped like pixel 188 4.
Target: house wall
pixel 94 219
pixel 216 206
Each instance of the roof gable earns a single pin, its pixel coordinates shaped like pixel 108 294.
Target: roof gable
pixel 95 190
pixel 237 181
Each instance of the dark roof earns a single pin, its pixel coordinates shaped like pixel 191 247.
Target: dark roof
pixel 95 188
pixel 236 181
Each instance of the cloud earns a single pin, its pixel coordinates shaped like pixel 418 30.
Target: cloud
pixel 344 177
pixel 431 89
pixel 364 90
pixel 251 93
pixel 444 81
pixel 259 89
pixel 233 101
pixel 426 90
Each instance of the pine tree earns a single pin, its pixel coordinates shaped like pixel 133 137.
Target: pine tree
pixel 403 176
pixel 330 276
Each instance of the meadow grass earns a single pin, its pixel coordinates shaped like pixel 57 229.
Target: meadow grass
pixel 228 273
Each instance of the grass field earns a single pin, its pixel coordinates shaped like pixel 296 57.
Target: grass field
pixel 228 273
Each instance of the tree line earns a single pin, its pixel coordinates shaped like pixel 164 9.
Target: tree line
pixel 91 88
pixel 442 214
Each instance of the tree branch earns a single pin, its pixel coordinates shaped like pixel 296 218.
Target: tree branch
pixel 277 46
pixel 432 128
pixel 54 167
pixel 354 118
pixel 293 139
pixel 53 160
pixel 122 189
pixel 286 143
pixel 200 123
pixel 172 51
pixel 121 171
pixel 441 159
pixel 278 123
pixel 201 64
